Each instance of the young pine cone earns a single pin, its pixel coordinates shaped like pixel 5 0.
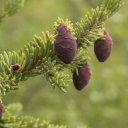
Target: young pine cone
pixel 65 44
pixel 103 47
pixel 81 79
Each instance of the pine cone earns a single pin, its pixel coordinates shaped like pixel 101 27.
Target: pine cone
pixel 65 44
pixel 103 48
pixel 83 77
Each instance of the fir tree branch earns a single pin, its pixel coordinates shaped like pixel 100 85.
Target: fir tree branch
pixel 112 6
pixel 89 29
pixel 11 7
pixel 39 57
pixel 35 58
pixel 13 118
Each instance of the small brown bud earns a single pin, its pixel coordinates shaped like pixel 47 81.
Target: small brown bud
pixel 40 56
pixel 33 45
pixel 47 34
pixel 15 68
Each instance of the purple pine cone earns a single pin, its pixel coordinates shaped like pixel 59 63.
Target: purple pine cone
pixel 83 77
pixel 65 44
pixel 103 48
pixel 1 109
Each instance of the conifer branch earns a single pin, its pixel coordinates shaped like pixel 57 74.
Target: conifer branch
pixel 90 28
pixel 13 118
pixel 39 57
pixel 11 7
pixel 35 58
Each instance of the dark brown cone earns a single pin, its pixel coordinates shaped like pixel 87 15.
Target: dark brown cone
pixel 1 109
pixel 65 44
pixel 103 48
pixel 83 77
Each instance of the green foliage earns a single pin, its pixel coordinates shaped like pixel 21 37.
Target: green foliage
pixel 67 22
pixel 11 7
pixel 13 118
pixel 104 104
pixel 111 6
pixel 34 59
pixel 38 57
pixel 89 29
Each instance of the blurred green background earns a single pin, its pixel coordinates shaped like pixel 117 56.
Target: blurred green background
pixel 104 103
